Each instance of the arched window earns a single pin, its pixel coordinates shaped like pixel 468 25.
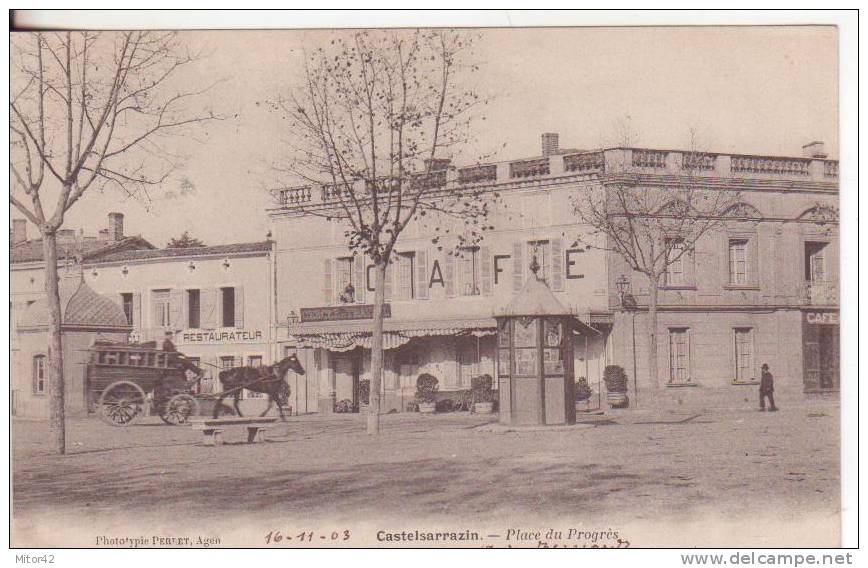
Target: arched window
pixel 40 374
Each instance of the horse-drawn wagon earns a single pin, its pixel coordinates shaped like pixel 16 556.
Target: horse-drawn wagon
pixel 124 378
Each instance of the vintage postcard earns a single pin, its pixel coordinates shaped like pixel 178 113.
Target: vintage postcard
pixel 547 287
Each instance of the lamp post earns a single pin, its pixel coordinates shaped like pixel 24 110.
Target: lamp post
pixel 622 285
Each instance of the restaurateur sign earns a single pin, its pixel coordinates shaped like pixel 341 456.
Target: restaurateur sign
pixel 221 336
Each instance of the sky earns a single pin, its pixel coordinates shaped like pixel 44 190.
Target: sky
pixel 753 90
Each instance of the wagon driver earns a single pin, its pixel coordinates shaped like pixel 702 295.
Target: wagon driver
pixel 178 359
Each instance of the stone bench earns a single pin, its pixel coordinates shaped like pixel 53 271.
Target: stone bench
pixel 212 428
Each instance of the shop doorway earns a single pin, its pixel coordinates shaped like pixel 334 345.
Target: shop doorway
pixel 347 370
pixel 822 352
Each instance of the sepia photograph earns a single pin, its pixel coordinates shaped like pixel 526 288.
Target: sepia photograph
pixel 427 286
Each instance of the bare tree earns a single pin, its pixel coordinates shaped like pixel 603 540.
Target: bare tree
pixel 376 114
pixel 654 226
pixel 91 110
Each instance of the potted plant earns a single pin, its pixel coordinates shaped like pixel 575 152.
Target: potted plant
pixel 364 394
pixel 616 386
pixel 426 393
pixel 583 395
pixel 483 401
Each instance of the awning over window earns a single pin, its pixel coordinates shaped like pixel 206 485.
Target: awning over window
pixel 346 336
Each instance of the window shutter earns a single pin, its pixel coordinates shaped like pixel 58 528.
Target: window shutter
pixel 387 282
pixel 517 265
pixel 422 274
pixel 690 267
pixel 175 308
pixel 208 301
pixel 239 306
pixel 752 261
pixel 137 311
pixel 184 323
pixel 485 270
pixel 359 278
pixel 557 265
pixel 449 274
pixel 328 285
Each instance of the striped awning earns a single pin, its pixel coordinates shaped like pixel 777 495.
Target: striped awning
pixel 343 336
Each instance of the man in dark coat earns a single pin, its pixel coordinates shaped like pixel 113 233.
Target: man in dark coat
pixel 767 389
pixel 178 358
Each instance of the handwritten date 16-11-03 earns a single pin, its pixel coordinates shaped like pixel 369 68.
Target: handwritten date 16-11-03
pixel 277 537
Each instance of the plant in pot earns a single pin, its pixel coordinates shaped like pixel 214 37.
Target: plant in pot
pixel 483 399
pixel 616 386
pixel 364 394
pixel 426 393
pixel 583 395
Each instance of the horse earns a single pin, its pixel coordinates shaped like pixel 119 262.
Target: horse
pixel 268 380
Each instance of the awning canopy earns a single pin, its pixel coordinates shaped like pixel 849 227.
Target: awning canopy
pixel 346 336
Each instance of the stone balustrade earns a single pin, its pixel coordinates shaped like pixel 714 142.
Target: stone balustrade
pixel 594 163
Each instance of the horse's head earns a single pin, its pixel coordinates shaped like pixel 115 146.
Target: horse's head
pixel 292 363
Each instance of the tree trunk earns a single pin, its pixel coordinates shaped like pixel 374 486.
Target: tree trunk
pixel 56 388
pixel 377 349
pixel 652 333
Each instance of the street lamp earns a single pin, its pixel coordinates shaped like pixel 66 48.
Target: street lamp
pixel 622 284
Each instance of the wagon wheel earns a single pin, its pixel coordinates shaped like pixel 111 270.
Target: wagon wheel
pixel 121 403
pixel 179 408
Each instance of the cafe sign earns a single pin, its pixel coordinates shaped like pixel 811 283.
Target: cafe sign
pixel 822 318
pixel 342 313
pixel 218 336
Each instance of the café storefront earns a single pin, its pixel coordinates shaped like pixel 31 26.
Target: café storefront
pixel 821 350
pixel 337 341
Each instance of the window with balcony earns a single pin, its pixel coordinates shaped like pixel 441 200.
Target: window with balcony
pixel 346 288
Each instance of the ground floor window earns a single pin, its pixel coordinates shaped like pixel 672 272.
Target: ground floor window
pixel 40 374
pixel 744 365
pixel 679 355
pixel 254 361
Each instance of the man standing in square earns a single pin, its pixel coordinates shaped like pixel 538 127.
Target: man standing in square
pixel 767 389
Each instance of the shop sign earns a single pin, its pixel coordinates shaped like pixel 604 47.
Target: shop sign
pixel 826 318
pixel 342 313
pixel 220 336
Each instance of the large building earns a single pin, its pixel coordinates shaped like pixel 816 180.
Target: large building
pixel 761 289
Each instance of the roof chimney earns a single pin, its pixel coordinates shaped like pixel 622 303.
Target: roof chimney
pixel 116 226
pixel 19 231
pixel 549 143
pixel 814 149
pixel 103 234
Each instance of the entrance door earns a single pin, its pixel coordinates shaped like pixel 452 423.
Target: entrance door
pixel 347 382
pixel 822 349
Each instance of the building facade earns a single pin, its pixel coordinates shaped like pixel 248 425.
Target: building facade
pixel 761 289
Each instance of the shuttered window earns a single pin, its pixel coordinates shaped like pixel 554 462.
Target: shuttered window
pixel 127 301
pixel 675 264
pixel 161 305
pixel 542 252
pixel 194 311
pixel 404 265
pixel 228 302
pixel 345 288
pixel 469 271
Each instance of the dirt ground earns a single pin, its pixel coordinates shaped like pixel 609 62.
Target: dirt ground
pixel 672 476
